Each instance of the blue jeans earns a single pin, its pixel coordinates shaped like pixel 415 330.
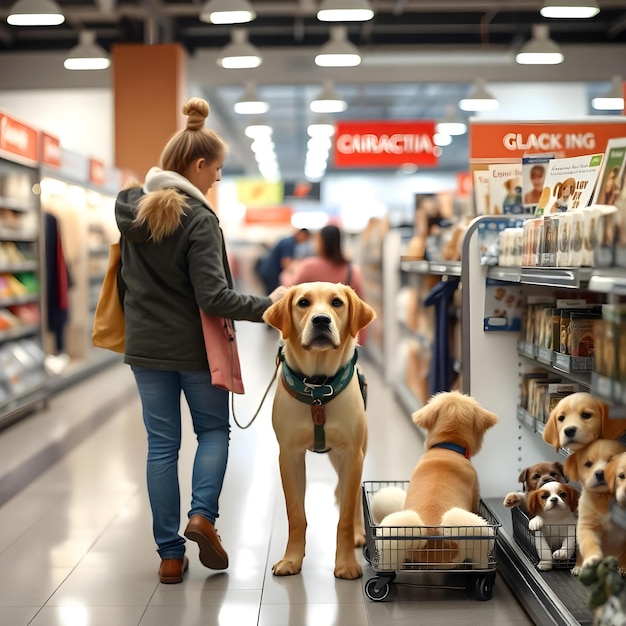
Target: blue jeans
pixel 159 391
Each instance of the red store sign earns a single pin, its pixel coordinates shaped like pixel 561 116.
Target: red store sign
pixel 384 144
pixel 18 139
pixel 50 150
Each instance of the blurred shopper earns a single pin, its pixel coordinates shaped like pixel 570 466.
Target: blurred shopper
pixel 173 260
pixel 280 257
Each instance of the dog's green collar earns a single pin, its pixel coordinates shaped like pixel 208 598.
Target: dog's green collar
pixel 316 392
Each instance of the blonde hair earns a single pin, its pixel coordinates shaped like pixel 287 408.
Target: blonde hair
pixel 161 211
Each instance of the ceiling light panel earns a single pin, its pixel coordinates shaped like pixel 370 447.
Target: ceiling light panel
pixel 35 13
pixel 570 9
pixel 345 11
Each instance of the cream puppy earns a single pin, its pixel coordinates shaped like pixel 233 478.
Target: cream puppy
pixel 553 508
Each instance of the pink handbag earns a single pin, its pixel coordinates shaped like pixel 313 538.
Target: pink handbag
pixel 221 350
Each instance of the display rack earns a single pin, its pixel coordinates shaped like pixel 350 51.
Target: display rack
pixel 23 380
pixel 491 363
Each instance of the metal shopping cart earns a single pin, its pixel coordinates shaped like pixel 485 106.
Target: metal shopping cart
pixel 439 556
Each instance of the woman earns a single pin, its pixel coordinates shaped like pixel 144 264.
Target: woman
pixel 173 260
pixel 329 264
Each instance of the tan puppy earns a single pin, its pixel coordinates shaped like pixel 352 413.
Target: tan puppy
pixel 575 422
pixel 532 478
pixel 597 534
pixel 616 478
pixel 552 509
pixel 443 490
pixel 319 324
pixel 457 421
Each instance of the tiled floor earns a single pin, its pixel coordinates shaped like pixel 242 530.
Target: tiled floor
pixel 76 546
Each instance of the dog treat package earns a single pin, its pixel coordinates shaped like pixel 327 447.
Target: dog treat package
pixel 549 241
pixel 604 238
pixel 532 236
pixel 580 341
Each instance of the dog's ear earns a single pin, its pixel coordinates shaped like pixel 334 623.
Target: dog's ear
pixel 571 467
pixel 486 419
pixel 559 468
pixel 278 314
pixel 573 499
pixel 361 313
pixel 426 417
pixel 609 473
pixel 550 433
pixel 523 477
pixel 534 502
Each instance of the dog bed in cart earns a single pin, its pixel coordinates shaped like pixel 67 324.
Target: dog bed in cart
pixel 452 556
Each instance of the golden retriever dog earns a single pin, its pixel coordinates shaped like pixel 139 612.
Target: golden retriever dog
pixel 616 478
pixel 534 477
pixel 597 534
pixel 575 422
pixel 319 324
pixel 552 509
pixel 444 490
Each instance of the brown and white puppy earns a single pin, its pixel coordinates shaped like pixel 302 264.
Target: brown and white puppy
pixel 597 534
pixel 444 489
pixel 532 478
pixel 552 510
pixel 319 323
pixel 575 421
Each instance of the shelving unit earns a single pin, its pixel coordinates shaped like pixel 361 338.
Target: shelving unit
pixel 23 380
pixel 491 375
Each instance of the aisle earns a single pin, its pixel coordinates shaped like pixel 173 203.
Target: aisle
pixel 76 546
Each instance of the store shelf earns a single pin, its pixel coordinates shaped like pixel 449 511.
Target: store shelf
pixel 6 234
pixel 581 378
pixel 12 268
pixel 14 204
pixel 553 598
pixel 18 332
pixel 609 280
pixel 443 268
pixel 27 298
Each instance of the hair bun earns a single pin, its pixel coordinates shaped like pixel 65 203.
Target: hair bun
pixel 196 110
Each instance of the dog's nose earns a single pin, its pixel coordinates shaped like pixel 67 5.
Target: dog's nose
pixel 321 320
pixel 570 431
pixel 554 499
pixel 600 475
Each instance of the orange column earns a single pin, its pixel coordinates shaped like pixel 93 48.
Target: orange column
pixel 149 84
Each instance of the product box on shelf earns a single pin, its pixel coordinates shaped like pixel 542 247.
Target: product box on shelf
pixel 534 168
pixel 505 189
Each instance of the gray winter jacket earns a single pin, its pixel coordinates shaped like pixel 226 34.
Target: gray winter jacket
pixel 165 283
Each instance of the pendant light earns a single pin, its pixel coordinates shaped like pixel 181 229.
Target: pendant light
pixel 328 101
pixel 540 49
pixel 87 55
pixel 227 12
pixel 322 126
pixel 239 53
pixel 338 51
pixel 573 9
pixel 345 11
pixel 250 103
pixel 35 13
pixel 450 124
pixel 613 100
pixel 479 99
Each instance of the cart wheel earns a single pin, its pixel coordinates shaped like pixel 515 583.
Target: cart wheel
pixel 376 590
pixel 483 587
pixel 366 554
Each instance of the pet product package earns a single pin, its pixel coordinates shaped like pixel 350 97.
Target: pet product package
pixel 505 189
pixel 534 169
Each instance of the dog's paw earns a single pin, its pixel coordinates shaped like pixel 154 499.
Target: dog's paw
pixel 561 555
pixel 348 571
pixel 511 500
pixel 536 523
pixel 284 567
pixel 359 538
pixel 544 566
pixel 591 561
pixel 575 571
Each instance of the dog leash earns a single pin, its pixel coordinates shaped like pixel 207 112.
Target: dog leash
pixel 232 395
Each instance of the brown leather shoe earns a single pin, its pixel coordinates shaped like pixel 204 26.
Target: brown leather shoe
pixel 172 570
pixel 212 554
